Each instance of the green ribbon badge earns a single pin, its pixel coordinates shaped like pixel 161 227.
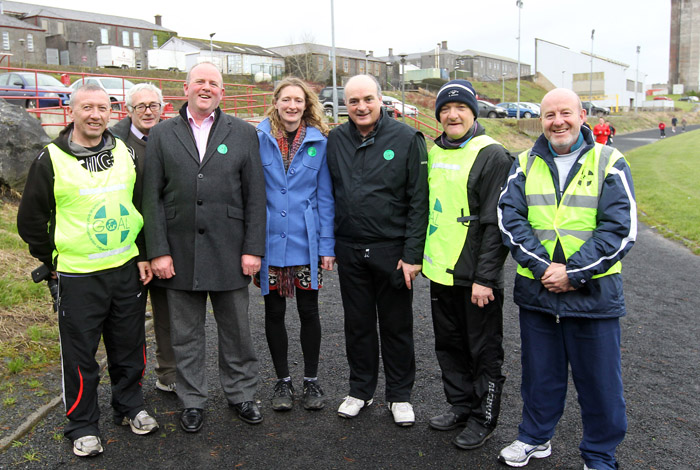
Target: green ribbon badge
pixel 388 155
pixel 222 149
pixel 311 151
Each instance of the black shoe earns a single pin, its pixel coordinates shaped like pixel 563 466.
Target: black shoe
pixel 249 412
pixel 474 436
pixel 448 421
pixel 283 396
pixel 313 396
pixel 191 419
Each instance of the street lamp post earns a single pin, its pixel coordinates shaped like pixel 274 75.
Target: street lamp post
pixel 388 64
pixel 562 78
pixel 503 80
pixel 456 68
pixel 636 83
pixel 403 82
pixel 590 78
pixel 211 47
pixel 333 59
pixel 367 63
pixel 21 44
pixel 90 43
pixel 519 4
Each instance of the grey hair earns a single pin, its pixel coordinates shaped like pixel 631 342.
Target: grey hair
pixel 84 88
pixel 143 87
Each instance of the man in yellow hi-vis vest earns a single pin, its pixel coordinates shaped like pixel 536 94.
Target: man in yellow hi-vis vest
pixel 79 217
pixel 568 215
pixel 463 259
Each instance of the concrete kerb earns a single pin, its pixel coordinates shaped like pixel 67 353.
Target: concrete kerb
pixel 34 418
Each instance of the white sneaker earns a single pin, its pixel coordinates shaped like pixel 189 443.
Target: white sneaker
pixel 586 467
pixel 351 406
pixel 170 388
pixel 518 454
pixel 87 446
pixel 403 413
pixel 142 424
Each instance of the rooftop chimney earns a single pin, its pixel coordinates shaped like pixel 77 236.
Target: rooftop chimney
pixel 371 53
pixel 159 20
pixel 391 52
pixel 444 44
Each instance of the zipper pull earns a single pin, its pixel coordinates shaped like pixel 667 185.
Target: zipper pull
pixel 367 253
pixel 557 318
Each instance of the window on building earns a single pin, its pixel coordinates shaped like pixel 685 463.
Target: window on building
pixel 104 35
pixel 137 39
pixel 30 43
pixel 6 41
pixel 319 63
pixel 362 67
pixel 346 65
pixel 155 42
pixel 60 28
pixel 125 38
pixel 45 25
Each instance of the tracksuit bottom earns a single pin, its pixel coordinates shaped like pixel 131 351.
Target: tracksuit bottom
pixel 469 349
pixel 592 348
pixel 165 357
pixel 112 305
pixel 310 331
pixel 368 296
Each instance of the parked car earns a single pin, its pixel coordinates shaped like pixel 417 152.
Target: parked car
pixel 534 106
pixel 525 111
pixel 326 98
pixel 398 107
pixel 594 110
pixel 662 98
pixel 489 110
pixel 115 87
pixel 23 85
pixel 689 98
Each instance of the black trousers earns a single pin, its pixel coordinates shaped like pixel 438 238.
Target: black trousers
pixel 310 331
pixel 111 305
pixel 368 297
pixel 469 349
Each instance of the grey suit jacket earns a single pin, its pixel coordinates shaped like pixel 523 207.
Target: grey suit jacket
pixel 205 215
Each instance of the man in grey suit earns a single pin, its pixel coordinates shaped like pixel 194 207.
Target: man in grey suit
pixel 204 212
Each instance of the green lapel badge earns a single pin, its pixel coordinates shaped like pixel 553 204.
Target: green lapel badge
pixel 388 155
pixel 311 151
pixel 222 149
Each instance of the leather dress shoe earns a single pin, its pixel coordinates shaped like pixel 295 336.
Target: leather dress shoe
pixel 192 419
pixel 474 436
pixel 448 421
pixel 249 412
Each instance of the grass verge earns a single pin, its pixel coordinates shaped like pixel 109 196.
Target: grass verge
pixel 667 191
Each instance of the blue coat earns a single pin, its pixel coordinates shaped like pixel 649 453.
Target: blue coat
pixel 300 206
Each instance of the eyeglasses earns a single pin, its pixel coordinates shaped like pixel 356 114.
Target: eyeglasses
pixel 141 108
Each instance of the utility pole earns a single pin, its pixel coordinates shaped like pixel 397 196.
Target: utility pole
pixel 519 4
pixel 590 78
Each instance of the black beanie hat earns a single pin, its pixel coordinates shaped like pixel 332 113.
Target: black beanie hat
pixel 461 91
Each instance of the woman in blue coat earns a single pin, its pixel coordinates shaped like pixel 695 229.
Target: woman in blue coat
pixel 300 242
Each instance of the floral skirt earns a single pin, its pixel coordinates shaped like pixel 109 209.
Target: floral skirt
pixel 284 280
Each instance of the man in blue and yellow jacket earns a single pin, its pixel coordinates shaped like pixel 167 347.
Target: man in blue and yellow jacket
pixel 568 215
pixel 80 218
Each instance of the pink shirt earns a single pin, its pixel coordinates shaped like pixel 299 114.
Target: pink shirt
pixel 201 132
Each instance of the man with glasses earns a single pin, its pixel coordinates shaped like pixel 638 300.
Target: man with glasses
pixel 144 104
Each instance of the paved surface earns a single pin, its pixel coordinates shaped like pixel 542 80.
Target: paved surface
pixel 660 369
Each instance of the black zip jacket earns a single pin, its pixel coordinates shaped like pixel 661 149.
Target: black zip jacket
pixel 380 185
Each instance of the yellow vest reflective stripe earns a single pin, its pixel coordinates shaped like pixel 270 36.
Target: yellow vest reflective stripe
pixel 573 220
pixel 448 175
pixel 96 221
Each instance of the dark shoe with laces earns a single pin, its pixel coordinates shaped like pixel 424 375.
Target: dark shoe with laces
pixel 191 419
pixel 248 412
pixel 474 436
pixel 313 396
pixel 283 396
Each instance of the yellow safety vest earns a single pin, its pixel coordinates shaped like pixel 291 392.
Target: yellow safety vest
pixel 449 218
pixel 572 221
pixel 96 221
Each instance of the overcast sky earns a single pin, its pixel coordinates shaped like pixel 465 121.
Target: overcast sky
pixel 487 25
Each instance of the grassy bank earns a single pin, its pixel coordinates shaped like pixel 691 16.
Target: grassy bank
pixel 668 194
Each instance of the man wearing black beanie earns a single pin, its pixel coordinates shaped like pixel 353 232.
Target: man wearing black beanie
pixel 464 259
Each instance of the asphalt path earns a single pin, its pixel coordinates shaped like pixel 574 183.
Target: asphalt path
pixel 660 369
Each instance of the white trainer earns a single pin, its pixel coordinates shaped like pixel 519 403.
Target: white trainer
pixel 518 454
pixel 143 423
pixel 351 406
pixel 87 446
pixel 170 388
pixel 586 467
pixel 403 413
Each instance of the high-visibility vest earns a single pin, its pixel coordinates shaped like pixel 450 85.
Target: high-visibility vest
pixel 572 221
pixel 449 218
pixel 96 221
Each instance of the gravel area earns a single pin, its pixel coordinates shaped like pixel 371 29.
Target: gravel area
pixel 660 370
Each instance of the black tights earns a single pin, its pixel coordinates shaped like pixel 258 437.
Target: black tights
pixel 276 332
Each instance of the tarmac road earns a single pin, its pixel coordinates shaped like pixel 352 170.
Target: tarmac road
pixel 660 369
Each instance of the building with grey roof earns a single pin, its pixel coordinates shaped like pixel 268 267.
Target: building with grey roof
pixel 20 42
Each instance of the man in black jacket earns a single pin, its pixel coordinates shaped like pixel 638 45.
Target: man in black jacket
pixel 378 167
pixel 464 259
